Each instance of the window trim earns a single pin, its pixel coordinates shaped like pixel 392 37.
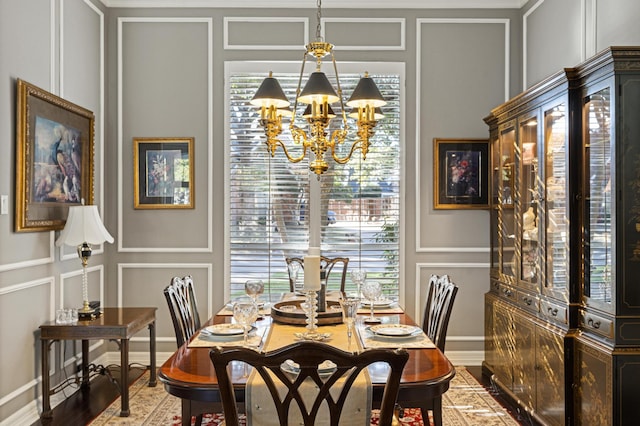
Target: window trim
pixel 398 68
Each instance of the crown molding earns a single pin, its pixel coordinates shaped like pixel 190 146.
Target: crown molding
pixel 334 4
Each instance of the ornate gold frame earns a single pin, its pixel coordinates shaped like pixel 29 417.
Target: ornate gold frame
pixel 54 158
pixel 163 173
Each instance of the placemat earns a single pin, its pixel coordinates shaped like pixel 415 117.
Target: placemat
pixel 207 341
pixel 394 308
pixel 368 340
pixel 228 312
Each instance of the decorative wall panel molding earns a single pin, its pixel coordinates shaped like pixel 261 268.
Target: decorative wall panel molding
pixel 250 33
pixel 376 33
pixel 421 212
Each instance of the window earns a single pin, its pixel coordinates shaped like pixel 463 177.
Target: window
pixel 355 206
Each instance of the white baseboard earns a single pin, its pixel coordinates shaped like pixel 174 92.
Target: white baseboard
pixel 465 358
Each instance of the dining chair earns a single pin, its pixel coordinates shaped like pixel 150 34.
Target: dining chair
pixel 441 294
pixel 309 355
pixel 340 264
pixel 183 307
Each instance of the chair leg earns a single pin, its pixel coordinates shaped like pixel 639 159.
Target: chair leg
pixel 198 420
pixel 437 411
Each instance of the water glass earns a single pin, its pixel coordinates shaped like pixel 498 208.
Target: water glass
pixel 294 269
pixel 245 313
pixel 371 290
pixel 358 276
pixel 67 316
pixel 254 288
pixel 349 307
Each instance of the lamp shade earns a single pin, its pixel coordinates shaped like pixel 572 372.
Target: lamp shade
pixel 318 89
pixel 270 93
pixel 83 226
pixel 366 93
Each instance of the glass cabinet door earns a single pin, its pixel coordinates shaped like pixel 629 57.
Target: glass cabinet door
pixel 496 170
pixel 528 199
pixel 555 203
pixel 506 219
pixel 598 244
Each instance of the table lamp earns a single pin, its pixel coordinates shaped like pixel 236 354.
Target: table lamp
pixel 82 229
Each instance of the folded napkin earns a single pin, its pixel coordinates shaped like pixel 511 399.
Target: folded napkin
pixel 207 340
pixel 370 340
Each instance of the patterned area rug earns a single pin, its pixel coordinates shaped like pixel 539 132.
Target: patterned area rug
pixel 466 403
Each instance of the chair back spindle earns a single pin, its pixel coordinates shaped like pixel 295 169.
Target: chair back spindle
pixel 442 293
pixel 308 355
pixel 183 307
pixel 340 265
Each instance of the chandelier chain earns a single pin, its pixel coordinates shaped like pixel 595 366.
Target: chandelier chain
pixel 318 19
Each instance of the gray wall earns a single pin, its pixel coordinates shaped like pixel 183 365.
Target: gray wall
pixel 159 72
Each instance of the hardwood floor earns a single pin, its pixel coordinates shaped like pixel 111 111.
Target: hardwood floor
pixel 522 417
pixel 83 406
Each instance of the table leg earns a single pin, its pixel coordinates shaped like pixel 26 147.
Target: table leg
pixel 124 377
pixel 47 412
pixel 186 412
pixel 85 365
pixel 152 353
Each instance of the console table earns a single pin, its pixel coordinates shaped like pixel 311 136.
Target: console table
pixel 114 324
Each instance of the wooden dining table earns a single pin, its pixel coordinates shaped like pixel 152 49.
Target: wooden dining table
pixel 189 375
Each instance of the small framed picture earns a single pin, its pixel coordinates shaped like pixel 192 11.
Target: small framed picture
pixel 163 173
pixel 461 173
pixel 54 158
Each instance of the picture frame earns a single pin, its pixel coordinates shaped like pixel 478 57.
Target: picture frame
pixel 163 173
pixel 461 173
pixel 54 158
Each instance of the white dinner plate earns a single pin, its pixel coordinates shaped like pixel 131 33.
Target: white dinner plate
pixel 381 303
pixel 223 330
pixel 394 331
pixel 324 369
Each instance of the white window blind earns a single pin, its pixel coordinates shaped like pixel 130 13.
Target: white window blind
pixel 269 197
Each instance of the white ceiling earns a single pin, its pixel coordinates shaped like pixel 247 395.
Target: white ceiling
pixel 343 4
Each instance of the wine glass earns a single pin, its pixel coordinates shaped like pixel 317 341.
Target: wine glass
pixel 358 276
pixel 371 290
pixel 349 307
pixel 294 268
pixel 245 313
pixel 254 288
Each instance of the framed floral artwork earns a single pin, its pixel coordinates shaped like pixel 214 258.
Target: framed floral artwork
pixel 163 173
pixel 461 173
pixel 54 158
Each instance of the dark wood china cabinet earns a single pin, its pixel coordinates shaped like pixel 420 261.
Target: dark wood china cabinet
pixel 562 317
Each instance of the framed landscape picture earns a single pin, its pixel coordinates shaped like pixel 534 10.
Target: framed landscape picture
pixel 163 173
pixel 461 173
pixel 54 158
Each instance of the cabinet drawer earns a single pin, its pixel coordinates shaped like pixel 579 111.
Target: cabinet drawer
pixel 555 313
pixel 597 324
pixel 528 302
pixel 507 292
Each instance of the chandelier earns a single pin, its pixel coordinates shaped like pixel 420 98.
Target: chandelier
pixel 318 95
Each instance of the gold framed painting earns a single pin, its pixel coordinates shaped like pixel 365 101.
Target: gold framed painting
pixel 163 173
pixel 461 173
pixel 54 158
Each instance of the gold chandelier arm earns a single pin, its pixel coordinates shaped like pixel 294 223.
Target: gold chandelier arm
pixel 356 145
pixel 273 143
